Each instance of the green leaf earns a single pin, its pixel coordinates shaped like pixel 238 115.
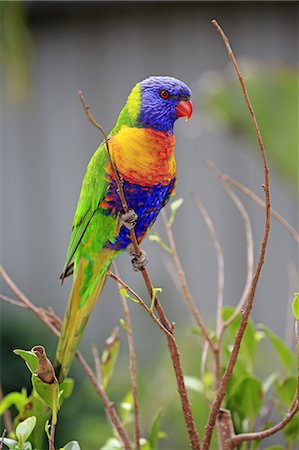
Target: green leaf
pixel 126 406
pixel 10 443
pixel 174 206
pixel 109 357
pixel 125 293
pixel 155 433
pixel 30 359
pixel 49 393
pixel 112 444
pixel 156 238
pixel 246 398
pixel 73 445
pixel 66 389
pixel 154 294
pixel 144 444
pixel 285 390
pixel 295 305
pixel 17 399
pixel 24 429
pixel 284 353
pixel 250 339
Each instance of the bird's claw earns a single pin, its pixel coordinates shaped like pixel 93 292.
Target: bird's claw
pixel 139 261
pixel 129 219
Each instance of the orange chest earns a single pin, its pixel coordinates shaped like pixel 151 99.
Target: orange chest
pixel 143 156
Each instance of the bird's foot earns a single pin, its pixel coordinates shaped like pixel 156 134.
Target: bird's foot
pixel 129 219
pixel 139 261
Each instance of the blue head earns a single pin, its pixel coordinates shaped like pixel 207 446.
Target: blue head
pixel 163 100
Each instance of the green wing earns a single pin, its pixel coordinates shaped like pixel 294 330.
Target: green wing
pixel 94 188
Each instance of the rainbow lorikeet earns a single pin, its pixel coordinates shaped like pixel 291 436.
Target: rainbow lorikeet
pixel 142 148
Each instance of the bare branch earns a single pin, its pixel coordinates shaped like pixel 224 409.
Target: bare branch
pixel 249 244
pixel 220 260
pixel 183 281
pixel 47 318
pixel 254 197
pixel 270 431
pixel 2 438
pixel 236 348
pixel 133 370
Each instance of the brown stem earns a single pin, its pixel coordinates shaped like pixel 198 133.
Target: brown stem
pixel 236 348
pixel 47 317
pixel 133 370
pixel 225 430
pixel 173 350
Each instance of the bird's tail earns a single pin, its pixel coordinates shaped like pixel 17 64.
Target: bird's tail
pixel 81 302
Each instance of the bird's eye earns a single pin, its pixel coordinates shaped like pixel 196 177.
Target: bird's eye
pixel 164 94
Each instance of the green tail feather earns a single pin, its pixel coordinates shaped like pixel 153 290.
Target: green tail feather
pixel 78 311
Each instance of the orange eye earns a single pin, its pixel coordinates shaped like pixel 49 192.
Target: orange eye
pixel 164 94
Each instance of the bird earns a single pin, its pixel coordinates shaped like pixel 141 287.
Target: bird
pixel 141 146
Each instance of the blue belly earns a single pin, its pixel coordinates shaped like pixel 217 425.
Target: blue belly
pixel 146 202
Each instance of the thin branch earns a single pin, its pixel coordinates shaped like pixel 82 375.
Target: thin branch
pixel 2 438
pixel 12 301
pixel 220 261
pixel 270 431
pixel 47 318
pixel 220 291
pixel 133 370
pixel 52 434
pixel 6 416
pixel 254 197
pixel 249 244
pixel 183 281
pixel 236 348
pixel 141 302
pixel 172 346
pixel 97 362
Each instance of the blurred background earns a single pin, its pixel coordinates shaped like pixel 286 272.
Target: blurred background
pixel 50 50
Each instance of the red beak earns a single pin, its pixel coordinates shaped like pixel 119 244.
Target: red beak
pixel 184 109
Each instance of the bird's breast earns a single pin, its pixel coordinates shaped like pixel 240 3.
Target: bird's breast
pixel 144 156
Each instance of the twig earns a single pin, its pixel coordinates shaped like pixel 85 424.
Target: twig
pixel 2 438
pixel 52 434
pixel 220 291
pixel 237 440
pixel 236 348
pixel 183 281
pixel 97 362
pixel 254 197
pixel 141 302
pixel 47 317
pixel 6 415
pixel 12 301
pixel 133 370
pixel 249 244
pixel 220 260
pixel 172 346
pixel 225 430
